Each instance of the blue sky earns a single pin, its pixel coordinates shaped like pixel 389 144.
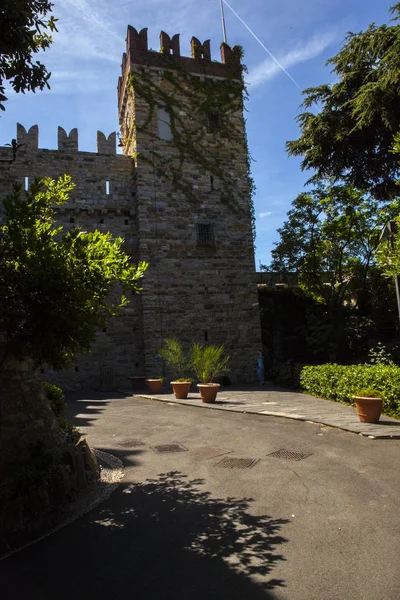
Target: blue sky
pixel 85 64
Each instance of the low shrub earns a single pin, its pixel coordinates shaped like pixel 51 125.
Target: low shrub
pixel 341 382
pixel 56 398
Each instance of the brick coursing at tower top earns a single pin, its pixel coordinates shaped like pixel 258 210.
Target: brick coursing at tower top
pixel 193 290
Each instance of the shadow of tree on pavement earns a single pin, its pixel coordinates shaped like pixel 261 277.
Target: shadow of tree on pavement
pixel 186 544
pixel 165 538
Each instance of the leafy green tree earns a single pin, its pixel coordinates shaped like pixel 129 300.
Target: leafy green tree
pixel 24 31
pixel 389 251
pixel 330 239
pixel 350 135
pixel 56 288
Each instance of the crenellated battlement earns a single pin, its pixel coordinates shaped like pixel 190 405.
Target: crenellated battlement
pixel 169 57
pixel 28 141
pixel 67 142
pixel 137 52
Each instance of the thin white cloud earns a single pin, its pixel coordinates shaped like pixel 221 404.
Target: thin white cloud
pixel 87 29
pixel 262 215
pixel 301 53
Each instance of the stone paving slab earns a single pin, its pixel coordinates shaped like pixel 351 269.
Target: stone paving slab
pixel 276 402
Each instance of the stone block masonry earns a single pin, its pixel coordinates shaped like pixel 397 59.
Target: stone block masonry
pixel 104 199
pixel 179 196
pixel 186 129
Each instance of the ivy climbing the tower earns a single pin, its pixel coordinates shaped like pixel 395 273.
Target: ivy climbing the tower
pixel 203 112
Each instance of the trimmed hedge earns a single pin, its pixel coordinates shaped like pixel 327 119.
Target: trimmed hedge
pixel 340 382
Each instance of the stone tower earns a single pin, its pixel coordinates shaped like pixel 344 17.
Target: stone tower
pixel 182 122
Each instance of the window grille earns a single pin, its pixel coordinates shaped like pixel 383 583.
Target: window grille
pixel 214 121
pixel 205 234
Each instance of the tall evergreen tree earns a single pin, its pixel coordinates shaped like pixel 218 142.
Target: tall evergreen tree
pixel 350 135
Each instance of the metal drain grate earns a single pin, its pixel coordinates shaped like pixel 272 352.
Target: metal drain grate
pixel 169 448
pixel 290 455
pixel 131 444
pixel 237 463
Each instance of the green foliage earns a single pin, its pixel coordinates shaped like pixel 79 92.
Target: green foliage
pixel 176 359
pixel 380 355
pixel 368 393
pixel 388 254
pixel 209 362
pixel 330 239
pixel 174 94
pixel 56 288
pixel 56 398
pixel 340 382
pixel 350 135
pixel 24 28
pixel 286 374
pixel 295 327
pixel 71 432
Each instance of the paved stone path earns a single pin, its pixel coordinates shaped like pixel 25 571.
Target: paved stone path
pixel 269 400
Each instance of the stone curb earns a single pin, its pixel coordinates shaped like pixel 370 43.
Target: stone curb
pixel 266 413
pixel 110 475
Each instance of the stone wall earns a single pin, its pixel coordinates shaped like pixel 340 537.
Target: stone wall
pixel 195 292
pixel 200 285
pixel 93 204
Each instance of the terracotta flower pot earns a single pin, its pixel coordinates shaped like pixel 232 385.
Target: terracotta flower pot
pixel 181 389
pixel 208 391
pixel 154 385
pixel 368 409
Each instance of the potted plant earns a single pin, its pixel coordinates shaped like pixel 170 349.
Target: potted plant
pixel 174 356
pixel 209 362
pixel 368 404
pixel 155 385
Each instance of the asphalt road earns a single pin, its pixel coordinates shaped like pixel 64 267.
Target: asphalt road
pixel 182 526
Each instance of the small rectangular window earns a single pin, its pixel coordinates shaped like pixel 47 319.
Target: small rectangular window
pixel 26 184
pixel 214 121
pixel 107 188
pixel 205 234
pixel 164 125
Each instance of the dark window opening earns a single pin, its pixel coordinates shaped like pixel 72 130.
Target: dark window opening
pixel 206 335
pixel 212 182
pixel 214 121
pixel 101 221
pixel 72 220
pixel 205 234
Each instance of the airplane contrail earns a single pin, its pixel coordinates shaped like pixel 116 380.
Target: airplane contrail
pixel 262 45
